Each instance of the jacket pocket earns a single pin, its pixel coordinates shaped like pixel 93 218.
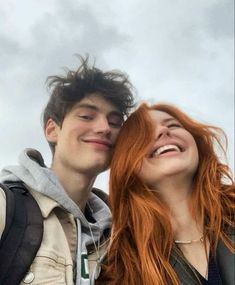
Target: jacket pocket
pixel 46 269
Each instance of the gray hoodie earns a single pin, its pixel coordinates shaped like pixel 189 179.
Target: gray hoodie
pixel 33 172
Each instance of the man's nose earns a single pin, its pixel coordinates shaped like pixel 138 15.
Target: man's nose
pixel 102 126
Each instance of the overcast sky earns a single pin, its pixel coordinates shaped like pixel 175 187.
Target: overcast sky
pixel 177 51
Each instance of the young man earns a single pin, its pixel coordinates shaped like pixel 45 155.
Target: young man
pixel 81 122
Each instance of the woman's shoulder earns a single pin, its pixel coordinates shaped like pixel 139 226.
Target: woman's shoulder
pixel 225 259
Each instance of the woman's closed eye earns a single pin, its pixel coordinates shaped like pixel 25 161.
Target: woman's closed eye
pixel 175 125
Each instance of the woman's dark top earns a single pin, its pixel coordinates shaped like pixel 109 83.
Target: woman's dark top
pixel 213 274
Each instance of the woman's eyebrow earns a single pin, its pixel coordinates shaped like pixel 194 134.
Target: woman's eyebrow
pixel 167 120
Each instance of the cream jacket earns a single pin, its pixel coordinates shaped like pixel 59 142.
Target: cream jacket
pixel 54 263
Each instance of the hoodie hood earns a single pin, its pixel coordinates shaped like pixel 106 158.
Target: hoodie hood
pixel 33 172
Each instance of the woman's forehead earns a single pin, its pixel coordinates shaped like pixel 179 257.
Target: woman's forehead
pixel 160 116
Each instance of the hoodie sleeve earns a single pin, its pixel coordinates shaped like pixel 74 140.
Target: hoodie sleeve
pixel 2 211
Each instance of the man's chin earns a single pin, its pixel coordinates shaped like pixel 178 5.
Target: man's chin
pixel 103 168
pixel 96 169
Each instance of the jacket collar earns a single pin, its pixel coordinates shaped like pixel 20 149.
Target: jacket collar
pixel 45 203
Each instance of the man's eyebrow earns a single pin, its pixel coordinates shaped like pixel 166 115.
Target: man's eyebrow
pixel 87 106
pixel 95 108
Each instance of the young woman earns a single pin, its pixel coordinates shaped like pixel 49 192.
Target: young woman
pixel 172 201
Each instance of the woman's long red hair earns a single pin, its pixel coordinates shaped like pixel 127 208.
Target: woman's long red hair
pixel 142 237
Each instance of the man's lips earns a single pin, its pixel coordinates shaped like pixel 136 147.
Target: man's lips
pixel 100 142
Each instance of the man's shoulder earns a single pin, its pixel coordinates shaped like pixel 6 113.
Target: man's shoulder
pixel 2 193
pixel 18 229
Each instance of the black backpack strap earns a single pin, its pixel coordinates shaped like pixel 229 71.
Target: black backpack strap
pixel 22 235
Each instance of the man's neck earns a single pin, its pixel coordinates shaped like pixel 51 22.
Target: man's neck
pixel 77 185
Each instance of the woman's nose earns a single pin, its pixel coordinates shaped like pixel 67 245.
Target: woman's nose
pixel 162 131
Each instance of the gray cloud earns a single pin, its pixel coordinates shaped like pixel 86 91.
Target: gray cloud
pixel 220 19
pixel 47 46
pixel 177 51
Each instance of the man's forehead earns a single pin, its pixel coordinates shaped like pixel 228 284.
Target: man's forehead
pixel 97 103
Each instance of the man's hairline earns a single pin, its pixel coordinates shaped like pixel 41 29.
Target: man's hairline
pixel 115 112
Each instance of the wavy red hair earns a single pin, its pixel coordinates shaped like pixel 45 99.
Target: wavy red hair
pixel 142 237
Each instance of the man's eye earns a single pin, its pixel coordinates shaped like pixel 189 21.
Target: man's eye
pixel 85 117
pixel 115 124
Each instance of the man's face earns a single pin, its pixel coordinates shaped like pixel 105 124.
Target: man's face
pixel 85 141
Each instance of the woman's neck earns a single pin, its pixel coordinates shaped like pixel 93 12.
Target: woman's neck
pixel 184 225
pixel 176 194
pixel 174 190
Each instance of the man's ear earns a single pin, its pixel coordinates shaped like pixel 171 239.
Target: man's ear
pixel 51 131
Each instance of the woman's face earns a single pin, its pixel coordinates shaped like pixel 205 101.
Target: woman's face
pixel 173 151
